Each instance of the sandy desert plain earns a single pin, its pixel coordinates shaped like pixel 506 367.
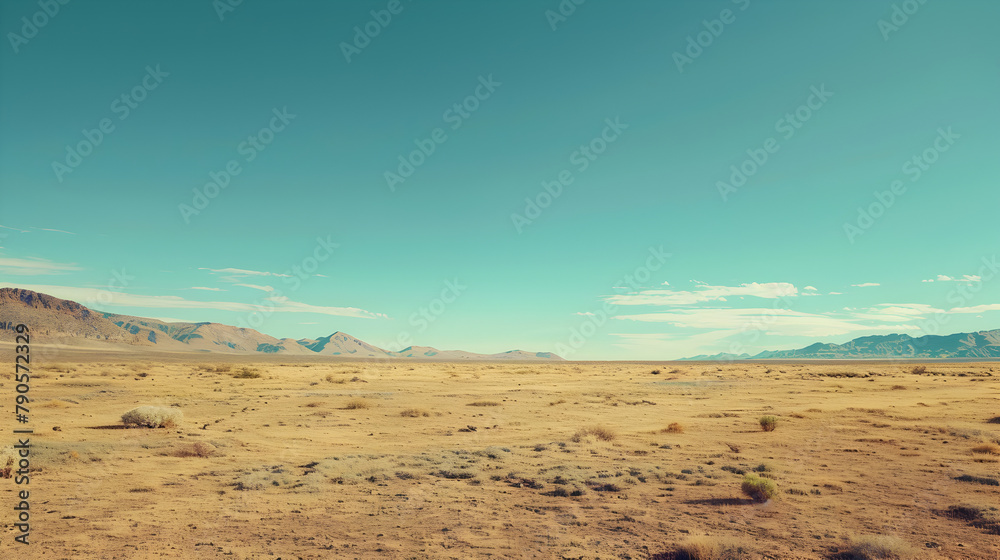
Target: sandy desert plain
pixel 292 457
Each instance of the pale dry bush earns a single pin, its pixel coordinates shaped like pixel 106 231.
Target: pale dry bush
pixel 197 449
pixel 599 432
pixel 987 448
pixel 359 404
pixel 356 469
pixel 713 548
pixel 879 547
pixel 152 417
pixel 260 479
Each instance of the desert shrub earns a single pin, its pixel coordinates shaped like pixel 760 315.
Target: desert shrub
pixel 994 420
pixel 599 432
pixel 152 417
pixel 655 372
pixel 674 428
pixel 877 547
pixel 223 369
pixel 987 448
pixel 558 401
pixel 757 488
pixel 336 379
pixel 414 413
pixel 484 403
pixel 358 404
pixel 712 548
pixel 247 373
pixel 197 449
pixel 964 512
pixel 768 423
pixel 985 480
pixel 898 387
pixel 261 479
pixel 8 458
pixel 919 370
pixel 454 474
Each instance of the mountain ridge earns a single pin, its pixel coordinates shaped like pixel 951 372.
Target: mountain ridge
pixel 979 344
pixel 55 318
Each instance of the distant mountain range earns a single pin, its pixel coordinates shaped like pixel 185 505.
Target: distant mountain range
pixel 53 319
pixel 982 344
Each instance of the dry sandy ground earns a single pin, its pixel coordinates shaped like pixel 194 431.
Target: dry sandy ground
pixel 295 473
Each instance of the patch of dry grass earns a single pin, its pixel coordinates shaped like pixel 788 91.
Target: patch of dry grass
pixel 359 404
pixel 247 373
pixel 877 547
pixel 484 403
pixel 599 432
pixel 197 449
pixel 56 404
pixel 987 449
pixel 713 548
pixel 414 413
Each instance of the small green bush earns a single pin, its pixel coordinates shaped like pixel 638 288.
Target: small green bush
pixel 768 423
pixel 758 489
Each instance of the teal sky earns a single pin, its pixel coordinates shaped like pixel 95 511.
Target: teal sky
pixel 765 264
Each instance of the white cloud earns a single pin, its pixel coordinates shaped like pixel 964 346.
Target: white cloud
pixel 866 285
pixel 704 293
pixel 977 309
pixel 207 289
pixel 584 313
pixel 968 278
pixel 233 273
pixel 809 288
pixel 102 299
pixel 782 322
pixel 257 287
pixel 34 267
